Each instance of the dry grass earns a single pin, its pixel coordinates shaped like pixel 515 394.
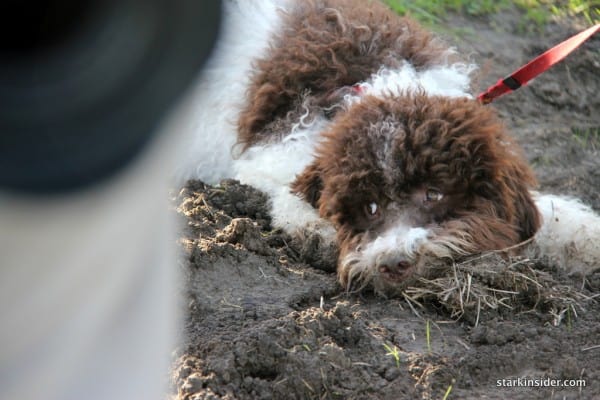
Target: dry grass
pixel 492 282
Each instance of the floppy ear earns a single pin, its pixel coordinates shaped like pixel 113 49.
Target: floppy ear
pixel 507 180
pixel 527 214
pixel 308 185
pixel 518 180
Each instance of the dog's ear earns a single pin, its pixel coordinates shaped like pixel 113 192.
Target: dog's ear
pixel 516 184
pixel 527 214
pixel 520 179
pixel 507 179
pixel 309 185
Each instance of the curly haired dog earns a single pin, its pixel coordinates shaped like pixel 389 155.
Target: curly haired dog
pixel 360 126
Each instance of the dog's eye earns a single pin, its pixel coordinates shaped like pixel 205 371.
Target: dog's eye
pixel 372 210
pixel 433 195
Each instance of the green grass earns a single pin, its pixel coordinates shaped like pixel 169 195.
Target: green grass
pixel 447 392
pixel 588 138
pixel 542 161
pixel 428 335
pixel 394 352
pixel 536 13
pixel 589 9
pixel 569 321
pixel 430 11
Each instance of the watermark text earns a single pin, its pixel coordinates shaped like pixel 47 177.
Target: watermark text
pixel 540 382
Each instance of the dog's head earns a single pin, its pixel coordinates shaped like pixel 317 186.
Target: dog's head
pixel 409 178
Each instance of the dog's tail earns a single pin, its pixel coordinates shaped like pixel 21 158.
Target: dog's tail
pixel 569 236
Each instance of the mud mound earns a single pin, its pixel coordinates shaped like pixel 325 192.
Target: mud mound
pixel 238 214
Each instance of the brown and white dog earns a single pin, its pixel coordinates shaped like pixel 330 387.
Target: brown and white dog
pixel 361 127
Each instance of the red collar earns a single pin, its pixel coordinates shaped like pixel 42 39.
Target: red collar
pixel 535 67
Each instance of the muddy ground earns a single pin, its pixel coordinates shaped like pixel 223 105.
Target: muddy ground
pixel 265 318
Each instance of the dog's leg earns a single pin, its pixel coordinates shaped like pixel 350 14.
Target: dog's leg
pixel 298 218
pixel 272 167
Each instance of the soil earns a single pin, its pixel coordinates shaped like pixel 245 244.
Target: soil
pixel 265 318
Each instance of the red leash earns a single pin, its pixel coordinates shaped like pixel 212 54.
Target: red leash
pixel 535 67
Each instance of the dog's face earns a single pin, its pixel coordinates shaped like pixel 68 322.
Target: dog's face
pixel 413 178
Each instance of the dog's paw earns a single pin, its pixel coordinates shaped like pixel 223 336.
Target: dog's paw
pixel 312 248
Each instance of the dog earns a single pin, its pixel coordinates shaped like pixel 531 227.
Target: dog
pixel 361 127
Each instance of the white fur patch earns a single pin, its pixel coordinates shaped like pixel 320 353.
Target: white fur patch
pixel 397 244
pixel 445 80
pixel 570 233
pixel 273 167
pixel 217 99
pixel 385 132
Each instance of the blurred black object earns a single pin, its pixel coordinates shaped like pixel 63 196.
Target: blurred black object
pixel 83 84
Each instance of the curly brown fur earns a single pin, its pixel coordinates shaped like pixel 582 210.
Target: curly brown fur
pixel 327 45
pixel 391 151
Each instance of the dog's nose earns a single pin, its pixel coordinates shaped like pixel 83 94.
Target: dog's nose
pixel 399 266
pixel 395 270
